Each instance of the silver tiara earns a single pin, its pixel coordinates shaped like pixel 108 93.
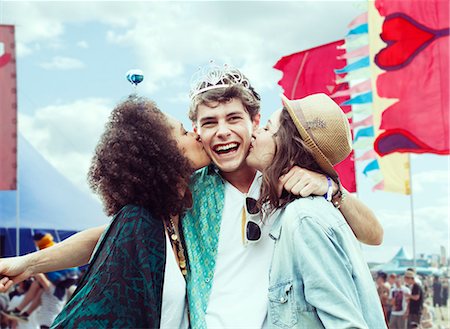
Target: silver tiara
pixel 214 76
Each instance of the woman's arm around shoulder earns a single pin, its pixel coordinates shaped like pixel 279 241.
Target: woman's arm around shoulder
pixel 74 251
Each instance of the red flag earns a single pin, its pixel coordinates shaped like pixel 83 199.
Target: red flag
pixel 417 75
pixel 8 109
pixel 312 71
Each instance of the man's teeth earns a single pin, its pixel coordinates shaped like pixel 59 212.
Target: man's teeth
pixel 224 148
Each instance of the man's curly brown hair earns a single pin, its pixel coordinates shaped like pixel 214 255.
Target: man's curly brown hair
pixel 137 162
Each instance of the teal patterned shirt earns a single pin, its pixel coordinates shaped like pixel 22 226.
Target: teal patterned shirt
pixel 201 228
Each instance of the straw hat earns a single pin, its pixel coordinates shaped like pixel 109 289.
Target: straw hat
pixel 409 274
pixel 324 127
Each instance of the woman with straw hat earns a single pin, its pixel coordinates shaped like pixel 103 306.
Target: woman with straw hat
pixel 318 276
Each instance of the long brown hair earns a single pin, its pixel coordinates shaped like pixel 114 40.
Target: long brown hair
pixel 290 151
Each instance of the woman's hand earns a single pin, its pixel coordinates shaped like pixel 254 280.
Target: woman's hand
pixel 13 270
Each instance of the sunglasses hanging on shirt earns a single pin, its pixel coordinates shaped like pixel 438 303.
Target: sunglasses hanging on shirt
pixel 252 228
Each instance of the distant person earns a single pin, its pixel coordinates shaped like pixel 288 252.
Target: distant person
pixel 445 284
pixel 428 316
pixel 383 293
pixel 415 299
pixel 392 277
pixel 437 294
pixel 398 300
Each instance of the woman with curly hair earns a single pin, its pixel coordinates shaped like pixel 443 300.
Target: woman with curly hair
pixel 318 276
pixel 141 170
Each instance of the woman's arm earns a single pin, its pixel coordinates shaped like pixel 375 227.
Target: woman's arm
pixel 74 251
pixel 361 219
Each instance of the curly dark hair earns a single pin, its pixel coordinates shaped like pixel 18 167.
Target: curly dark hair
pixel 138 162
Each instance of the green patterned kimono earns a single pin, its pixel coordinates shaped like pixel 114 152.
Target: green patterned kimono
pixel 123 285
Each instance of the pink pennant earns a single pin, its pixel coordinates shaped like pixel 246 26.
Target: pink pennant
pixel 366 122
pixel 359 52
pixel 356 89
pixel 361 19
pixel 369 155
pixel 379 186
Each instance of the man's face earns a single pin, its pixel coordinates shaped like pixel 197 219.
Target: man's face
pixel 225 130
pixel 409 280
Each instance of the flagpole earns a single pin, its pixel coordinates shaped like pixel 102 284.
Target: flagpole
pixel 413 231
pixel 17 203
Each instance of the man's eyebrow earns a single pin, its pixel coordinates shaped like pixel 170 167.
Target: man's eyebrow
pixel 235 113
pixel 207 118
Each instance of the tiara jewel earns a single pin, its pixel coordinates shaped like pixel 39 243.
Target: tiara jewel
pixel 214 76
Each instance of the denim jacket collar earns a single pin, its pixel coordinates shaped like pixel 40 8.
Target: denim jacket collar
pixel 275 231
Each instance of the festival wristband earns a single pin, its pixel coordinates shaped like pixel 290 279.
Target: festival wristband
pixel 329 193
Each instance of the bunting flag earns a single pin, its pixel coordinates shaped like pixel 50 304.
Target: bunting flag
pixel 363 28
pixel 358 76
pixel 354 43
pixel 360 99
pixel 379 186
pixel 359 52
pixel 363 62
pixel 360 19
pixel 415 59
pixel 363 144
pixel 363 110
pixel 365 122
pixel 8 109
pixel 312 71
pixel 373 165
pixel 370 154
pixel 364 132
pixel 394 168
pixel 361 87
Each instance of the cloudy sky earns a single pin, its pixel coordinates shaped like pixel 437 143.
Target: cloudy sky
pixel 73 56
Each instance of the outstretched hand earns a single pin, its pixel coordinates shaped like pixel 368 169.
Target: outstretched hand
pixel 304 182
pixel 13 270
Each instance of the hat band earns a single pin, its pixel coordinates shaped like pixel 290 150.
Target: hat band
pixel 301 117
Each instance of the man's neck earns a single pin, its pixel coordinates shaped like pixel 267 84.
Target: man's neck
pixel 241 179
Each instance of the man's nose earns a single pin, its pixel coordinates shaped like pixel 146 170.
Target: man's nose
pixel 223 130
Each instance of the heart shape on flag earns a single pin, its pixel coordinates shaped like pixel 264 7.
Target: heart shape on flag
pixel 405 39
pixel 4 59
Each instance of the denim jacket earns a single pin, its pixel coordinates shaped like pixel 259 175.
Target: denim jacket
pixel 318 276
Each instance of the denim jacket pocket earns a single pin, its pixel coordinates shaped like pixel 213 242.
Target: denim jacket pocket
pixel 282 306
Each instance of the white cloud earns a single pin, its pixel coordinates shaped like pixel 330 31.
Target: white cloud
pixel 63 63
pixel 82 44
pixel 431 231
pixel 421 180
pixel 170 37
pixel 66 134
pixel 22 49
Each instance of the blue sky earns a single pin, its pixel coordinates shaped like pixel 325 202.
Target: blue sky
pixel 72 58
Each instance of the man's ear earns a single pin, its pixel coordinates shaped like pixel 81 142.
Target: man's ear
pixel 256 120
pixel 194 127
